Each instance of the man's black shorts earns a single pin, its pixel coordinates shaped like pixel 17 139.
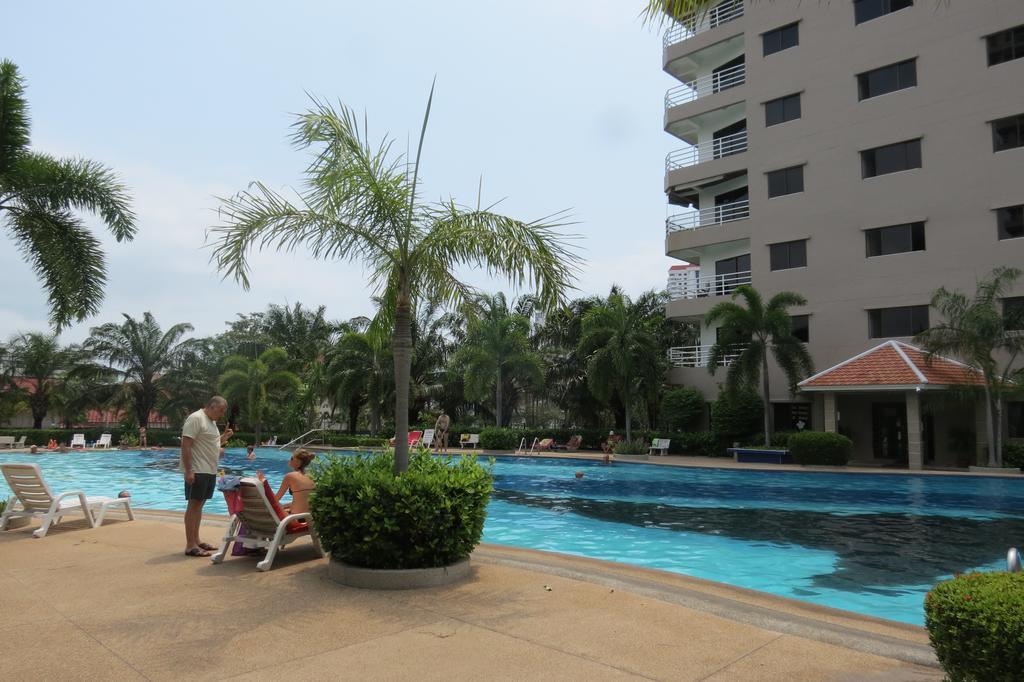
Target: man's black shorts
pixel 202 488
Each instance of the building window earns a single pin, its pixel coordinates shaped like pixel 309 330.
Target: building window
pixel 785 181
pixel 891 158
pixel 1015 419
pixel 780 39
pixel 800 327
pixel 887 79
pixel 1005 46
pixel 1010 221
pixel 866 10
pixel 788 255
pixel 792 416
pixel 882 241
pixel 1008 133
pixel 905 321
pixel 1013 313
pixel 782 109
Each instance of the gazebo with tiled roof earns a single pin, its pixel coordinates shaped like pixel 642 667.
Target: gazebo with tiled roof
pixel 892 366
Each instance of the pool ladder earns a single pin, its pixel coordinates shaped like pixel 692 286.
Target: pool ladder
pixel 1013 560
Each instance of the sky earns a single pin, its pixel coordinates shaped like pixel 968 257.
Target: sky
pixel 555 104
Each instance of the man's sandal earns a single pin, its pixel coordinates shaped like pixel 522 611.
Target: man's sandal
pixel 196 551
pixel 207 546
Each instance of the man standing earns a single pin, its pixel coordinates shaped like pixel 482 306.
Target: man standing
pixel 201 442
pixel 441 433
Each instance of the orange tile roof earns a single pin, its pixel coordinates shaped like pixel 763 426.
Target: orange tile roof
pixel 894 363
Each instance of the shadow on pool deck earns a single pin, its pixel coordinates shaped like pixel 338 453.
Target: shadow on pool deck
pixel 123 602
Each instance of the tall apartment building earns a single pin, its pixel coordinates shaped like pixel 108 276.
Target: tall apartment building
pixel 862 153
pixel 682 278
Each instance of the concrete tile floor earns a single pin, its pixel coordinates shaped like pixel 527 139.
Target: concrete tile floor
pixel 123 602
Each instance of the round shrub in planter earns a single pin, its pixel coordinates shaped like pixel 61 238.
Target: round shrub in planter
pixel 820 447
pixel 429 516
pixel 976 626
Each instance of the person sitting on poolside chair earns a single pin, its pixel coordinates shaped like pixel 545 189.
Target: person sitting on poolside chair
pixel 297 482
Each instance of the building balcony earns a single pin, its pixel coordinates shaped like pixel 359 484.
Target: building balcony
pixel 707 151
pixel 708 217
pixel 694 25
pixel 698 295
pixel 709 162
pixel 705 86
pixel 699 356
pixel 704 100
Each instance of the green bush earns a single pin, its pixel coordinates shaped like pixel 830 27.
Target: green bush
pixel 976 626
pixel 737 416
pixel 636 446
pixel 431 515
pixel 820 447
pixel 493 438
pixel 699 443
pixel 681 408
pixel 1013 455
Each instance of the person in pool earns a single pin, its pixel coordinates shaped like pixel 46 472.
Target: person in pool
pixel 250 452
pixel 297 482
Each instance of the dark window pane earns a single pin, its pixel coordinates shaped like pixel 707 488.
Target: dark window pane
pixel 1005 45
pixel 780 39
pixel 891 158
pixel 1008 133
pixel 908 73
pixel 785 181
pixel 788 255
pixel 782 109
pixel 866 10
pixel 1013 312
pixel 902 321
pixel 887 79
pixel 1015 419
pixel 882 241
pixel 801 327
pixel 1010 221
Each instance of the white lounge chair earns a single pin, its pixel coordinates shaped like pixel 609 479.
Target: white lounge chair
pixel 32 498
pixel 427 440
pixel 659 446
pixel 78 441
pixel 470 439
pixel 20 443
pixel 103 442
pixel 262 526
pixel 6 441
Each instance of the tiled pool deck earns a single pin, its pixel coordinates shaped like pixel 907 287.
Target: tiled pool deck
pixel 122 602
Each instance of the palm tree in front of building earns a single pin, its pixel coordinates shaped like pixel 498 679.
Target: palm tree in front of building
pixel 748 334
pixel 361 203
pixel 657 12
pixel 979 333
pixel 39 198
pixel 251 382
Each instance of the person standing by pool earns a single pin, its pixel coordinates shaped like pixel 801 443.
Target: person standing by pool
pixel 201 443
pixel 142 438
pixel 441 432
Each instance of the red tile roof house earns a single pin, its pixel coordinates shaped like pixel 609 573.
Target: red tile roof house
pixel 898 407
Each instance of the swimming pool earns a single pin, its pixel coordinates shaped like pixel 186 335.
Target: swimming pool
pixel 874 544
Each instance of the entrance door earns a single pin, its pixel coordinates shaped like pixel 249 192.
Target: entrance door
pixel 730 273
pixel 730 145
pixel 889 430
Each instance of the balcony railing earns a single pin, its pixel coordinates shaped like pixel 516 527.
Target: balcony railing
pixel 707 151
pixel 706 85
pixel 700 356
pixel 711 285
pixel 708 217
pixel 713 18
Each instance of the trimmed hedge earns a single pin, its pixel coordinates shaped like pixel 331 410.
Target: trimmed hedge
pixel 636 446
pixel 976 626
pixel 820 447
pixel 493 438
pixel 1013 455
pixel 431 515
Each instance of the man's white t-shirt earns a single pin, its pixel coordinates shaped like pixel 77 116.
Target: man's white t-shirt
pixel 205 442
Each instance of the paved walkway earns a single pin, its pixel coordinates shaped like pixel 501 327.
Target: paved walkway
pixel 122 602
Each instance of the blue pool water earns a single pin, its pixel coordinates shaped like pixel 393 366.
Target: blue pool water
pixel 873 544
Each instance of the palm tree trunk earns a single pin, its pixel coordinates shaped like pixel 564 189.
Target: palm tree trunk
pixel 497 399
pixel 992 461
pixel 767 399
pixel 402 347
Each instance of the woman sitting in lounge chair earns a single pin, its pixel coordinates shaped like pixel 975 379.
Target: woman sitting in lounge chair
pixel 297 482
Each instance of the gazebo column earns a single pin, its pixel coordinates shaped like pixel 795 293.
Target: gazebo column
pixel 829 398
pixel 915 458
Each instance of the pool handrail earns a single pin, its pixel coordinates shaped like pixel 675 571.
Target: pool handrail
pixel 1013 564
pixel 298 438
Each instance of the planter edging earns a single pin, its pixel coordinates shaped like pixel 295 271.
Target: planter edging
pixel 397 579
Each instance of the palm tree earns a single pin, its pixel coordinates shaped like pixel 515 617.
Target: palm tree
pixel 41 363
pixel 977 331
pixel 38 197
pixel 139 353
pixel 758 329
pixel 658 12
pixel 360 203
pixel 360 371
pixel 496 357
pixel 250 382
pixel 620 342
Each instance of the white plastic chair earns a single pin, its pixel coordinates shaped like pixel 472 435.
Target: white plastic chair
pixel 78 441
pixel 103 442
pixel 32 498
pixel 659 446
pixel 427 440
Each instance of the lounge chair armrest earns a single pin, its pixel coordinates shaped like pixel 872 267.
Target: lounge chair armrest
pixel 79 493
pixel 304 516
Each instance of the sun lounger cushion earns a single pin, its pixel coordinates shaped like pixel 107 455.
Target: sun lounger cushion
pixel 294 526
